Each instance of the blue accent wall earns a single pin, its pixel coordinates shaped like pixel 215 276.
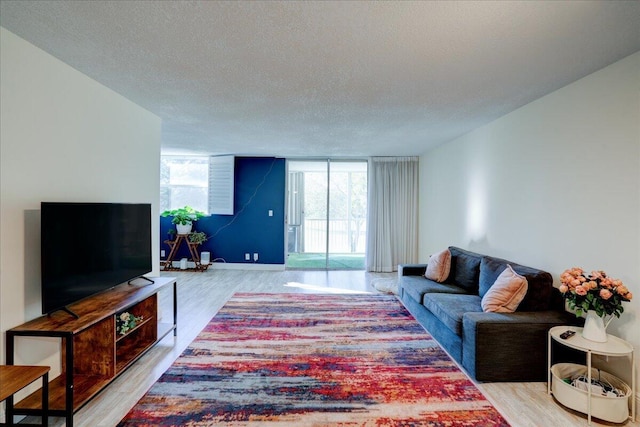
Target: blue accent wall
pixel 259 187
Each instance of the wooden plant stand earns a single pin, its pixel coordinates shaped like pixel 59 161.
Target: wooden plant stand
pixel 167 265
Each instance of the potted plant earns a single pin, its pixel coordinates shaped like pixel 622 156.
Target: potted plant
pixel 197 237
pixel 595 294
pixel 183 218
pixel 126 322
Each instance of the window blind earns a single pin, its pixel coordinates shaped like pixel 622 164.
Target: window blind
pixel 221 185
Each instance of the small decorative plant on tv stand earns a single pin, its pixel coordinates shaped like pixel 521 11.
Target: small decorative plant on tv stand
pixel 126 322
pixel 183 218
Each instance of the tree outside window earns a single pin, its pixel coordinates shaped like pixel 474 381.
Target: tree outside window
pixel 184 181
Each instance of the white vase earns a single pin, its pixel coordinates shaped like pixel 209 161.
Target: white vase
pixel 184 229
pixel 594 327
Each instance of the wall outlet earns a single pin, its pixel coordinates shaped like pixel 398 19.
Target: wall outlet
pixel 162 253
pixel 247 257
pixel 255 256
pixel 270 212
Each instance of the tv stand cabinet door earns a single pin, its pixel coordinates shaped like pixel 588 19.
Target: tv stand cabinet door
pixel 94 350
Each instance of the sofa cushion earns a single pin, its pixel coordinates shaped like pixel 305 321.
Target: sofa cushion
pixel 490 269
pixel 465 269
pixel 417 286
pixel 439 266
pixel 506 293
pixel 540 283
pixel 450 308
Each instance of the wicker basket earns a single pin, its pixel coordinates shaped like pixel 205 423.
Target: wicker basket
pixel 613 409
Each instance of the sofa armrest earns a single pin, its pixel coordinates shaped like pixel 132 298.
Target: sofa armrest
pixel 509 346
pixel 411 269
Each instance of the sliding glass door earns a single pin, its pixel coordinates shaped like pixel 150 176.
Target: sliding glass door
pixel 326 220
pixel 347 222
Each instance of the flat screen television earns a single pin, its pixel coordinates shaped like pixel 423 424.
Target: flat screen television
pixel 87 248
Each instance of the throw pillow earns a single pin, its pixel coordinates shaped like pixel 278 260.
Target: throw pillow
pixel 507 292
pixel 439 266
pixel 490 269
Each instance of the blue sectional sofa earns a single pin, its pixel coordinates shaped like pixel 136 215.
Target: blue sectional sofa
pixel 490 346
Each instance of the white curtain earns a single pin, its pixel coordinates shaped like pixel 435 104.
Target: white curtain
pixel 392 233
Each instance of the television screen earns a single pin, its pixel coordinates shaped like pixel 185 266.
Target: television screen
pixel 90 247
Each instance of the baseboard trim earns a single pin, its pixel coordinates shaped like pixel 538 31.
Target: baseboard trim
pixel 235 266
pixel 246 266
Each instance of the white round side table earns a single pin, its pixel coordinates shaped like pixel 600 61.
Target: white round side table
pixel 614 347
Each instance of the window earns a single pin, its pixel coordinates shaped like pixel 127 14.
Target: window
pixel 204 183
pixel 184 181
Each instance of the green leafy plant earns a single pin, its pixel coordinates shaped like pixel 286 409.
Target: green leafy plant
pixel 198 237
pixel 183 216
pixel 126 322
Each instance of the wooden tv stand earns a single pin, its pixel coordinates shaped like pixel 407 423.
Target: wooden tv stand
pixel 93 353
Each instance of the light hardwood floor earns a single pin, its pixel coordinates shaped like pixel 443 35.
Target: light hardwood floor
pixel 201 295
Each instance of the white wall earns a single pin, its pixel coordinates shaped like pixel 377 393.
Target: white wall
pixel 554 184
pixel 64 137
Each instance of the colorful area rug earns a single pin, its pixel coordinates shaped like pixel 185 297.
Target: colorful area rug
pixel 313 360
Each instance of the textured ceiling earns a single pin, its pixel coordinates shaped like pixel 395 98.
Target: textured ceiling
pixel 327 78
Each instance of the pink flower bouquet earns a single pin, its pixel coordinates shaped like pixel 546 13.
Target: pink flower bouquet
pixel 595 291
